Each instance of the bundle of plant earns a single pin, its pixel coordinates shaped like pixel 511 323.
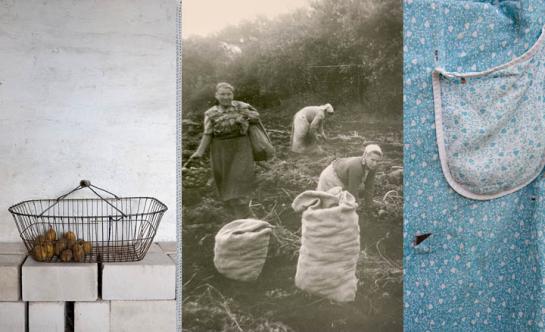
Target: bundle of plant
pixel 376 266
pixel 284 242
pixel 209 310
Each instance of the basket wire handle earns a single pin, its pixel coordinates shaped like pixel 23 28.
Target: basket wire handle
pixel 85 184
pixel 187 162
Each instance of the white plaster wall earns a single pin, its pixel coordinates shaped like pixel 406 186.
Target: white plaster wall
pixel 87 91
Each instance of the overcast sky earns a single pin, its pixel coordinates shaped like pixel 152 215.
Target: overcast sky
pixel 202 17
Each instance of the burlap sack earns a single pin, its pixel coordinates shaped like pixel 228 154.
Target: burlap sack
pixel 262 147
pixel 241 249
pixel 330 244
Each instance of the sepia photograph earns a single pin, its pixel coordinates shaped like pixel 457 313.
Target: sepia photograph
pixel 292 165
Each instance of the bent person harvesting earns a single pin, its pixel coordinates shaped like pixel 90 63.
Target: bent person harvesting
pixel 352 172
pixel 308 128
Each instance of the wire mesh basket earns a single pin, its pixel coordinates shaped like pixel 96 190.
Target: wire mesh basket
pixel 113 229
pixel 195 175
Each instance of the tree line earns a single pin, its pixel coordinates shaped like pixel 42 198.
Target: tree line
pixel 346 52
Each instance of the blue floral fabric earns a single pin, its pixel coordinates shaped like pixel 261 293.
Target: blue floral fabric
pixel 483 267
pixel 490 125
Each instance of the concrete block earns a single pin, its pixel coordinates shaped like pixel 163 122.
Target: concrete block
pixel 168 247
pixel 152 278
pixel 59 281
pixel 128 316
pixel 13 316
pixel 12 248
pixel 154 247
pixel 10 277
pixel 92 316
pixel 46 316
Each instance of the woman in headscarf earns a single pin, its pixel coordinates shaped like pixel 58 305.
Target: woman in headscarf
pixel 351 172
pixel 225 131
pixel 308 128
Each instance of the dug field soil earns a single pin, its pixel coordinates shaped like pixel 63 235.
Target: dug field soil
pixel 212 302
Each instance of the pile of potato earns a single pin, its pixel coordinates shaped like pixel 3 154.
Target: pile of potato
pixel 67 248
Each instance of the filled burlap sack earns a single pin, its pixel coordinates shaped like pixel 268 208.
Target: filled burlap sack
pixel 330 244
pixel 241 249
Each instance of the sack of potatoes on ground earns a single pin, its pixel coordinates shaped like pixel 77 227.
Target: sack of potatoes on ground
pixel 330 244
pixel 241 249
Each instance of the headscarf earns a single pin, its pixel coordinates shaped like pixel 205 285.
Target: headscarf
pixel 372 148
pixel 224 85
pixel 328 108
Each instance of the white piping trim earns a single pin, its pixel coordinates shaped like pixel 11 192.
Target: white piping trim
pixel 436 84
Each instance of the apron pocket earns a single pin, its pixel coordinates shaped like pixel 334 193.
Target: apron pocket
pixel 490 125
